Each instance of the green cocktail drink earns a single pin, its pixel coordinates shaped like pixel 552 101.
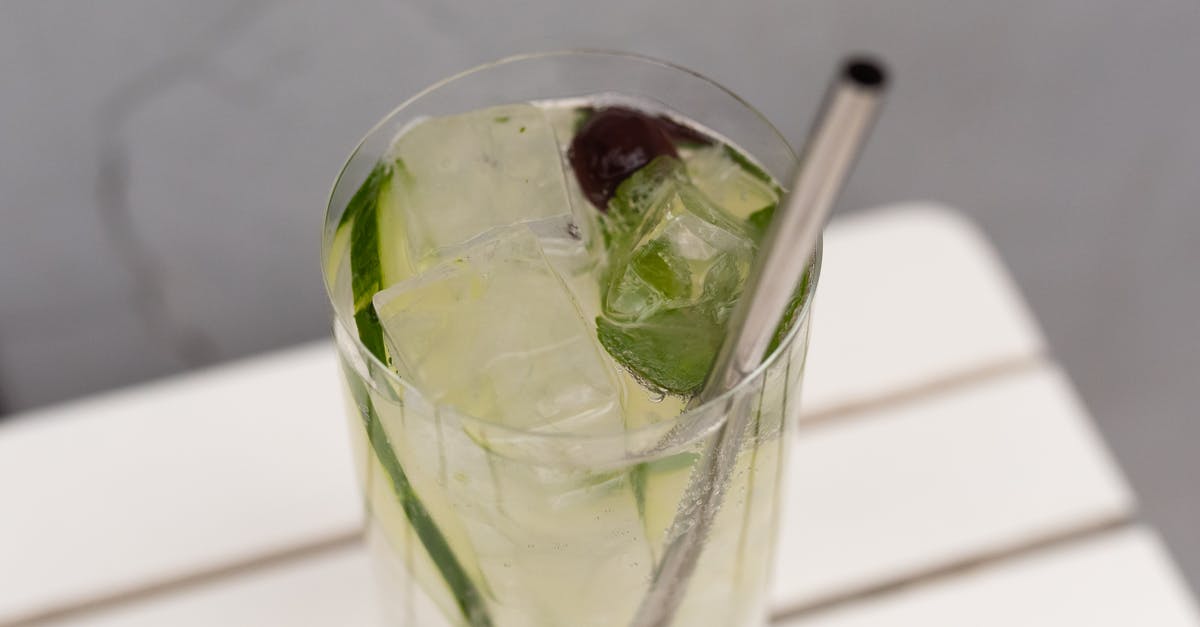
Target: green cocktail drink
pixel 531 267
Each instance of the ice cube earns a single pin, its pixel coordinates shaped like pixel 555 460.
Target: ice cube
pixel 692 253
pixel 677 264
pixel 494 333
pixel 731 180
pixel 465 174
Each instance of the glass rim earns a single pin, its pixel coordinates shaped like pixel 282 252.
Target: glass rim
pixel 690 414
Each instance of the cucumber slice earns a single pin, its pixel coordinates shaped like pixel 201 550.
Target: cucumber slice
pixel 395 263
pixel 366 245
pixel 659 485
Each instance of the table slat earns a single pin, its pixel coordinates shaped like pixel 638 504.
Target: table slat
pixel 910 295
pixel 164 480
pixel 333 588
pixel 1118 579
pixel 1121 579
pixel 895 492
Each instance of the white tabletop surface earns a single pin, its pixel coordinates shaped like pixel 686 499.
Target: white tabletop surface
pixel 943 463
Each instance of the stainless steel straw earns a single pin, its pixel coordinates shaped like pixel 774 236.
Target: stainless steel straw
pixel 833 144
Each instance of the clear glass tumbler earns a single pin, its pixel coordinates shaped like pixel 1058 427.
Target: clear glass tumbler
pixel 473 523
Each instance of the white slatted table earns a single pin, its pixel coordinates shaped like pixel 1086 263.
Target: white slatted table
pixel 945 474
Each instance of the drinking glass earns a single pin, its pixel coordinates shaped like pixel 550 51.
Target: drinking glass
pixel 474 523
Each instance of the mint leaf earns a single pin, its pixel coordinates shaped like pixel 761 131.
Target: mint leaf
pixel 653 322
pixel 362 213
pixel 672 349
pixel 759 221
pixel 662 269
pixel 789 314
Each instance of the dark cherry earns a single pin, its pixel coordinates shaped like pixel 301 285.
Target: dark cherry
pixel 612 144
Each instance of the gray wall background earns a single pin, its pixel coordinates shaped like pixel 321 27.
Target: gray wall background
pixel 163 169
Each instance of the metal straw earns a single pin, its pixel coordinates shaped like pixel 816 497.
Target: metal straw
pixel 850 106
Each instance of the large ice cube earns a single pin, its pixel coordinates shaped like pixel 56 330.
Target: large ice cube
pixel 494 333
pixel 462 175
